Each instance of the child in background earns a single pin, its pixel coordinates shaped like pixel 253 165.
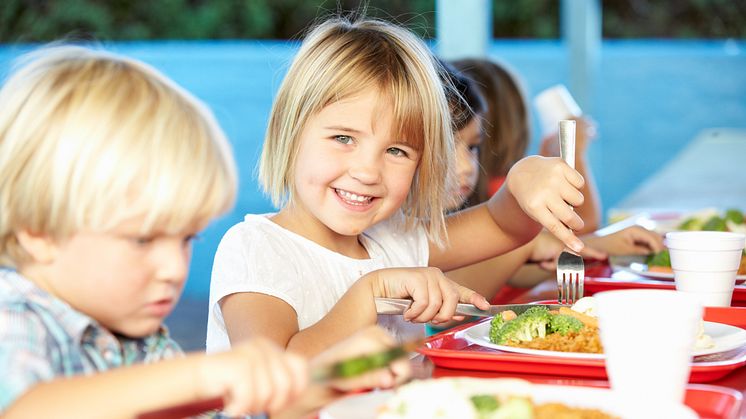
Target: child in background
pixel 107 172
pixel 468 107
pixel 358 155
pixel 507 134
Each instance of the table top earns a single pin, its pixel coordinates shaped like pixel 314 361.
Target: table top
pixel 708 172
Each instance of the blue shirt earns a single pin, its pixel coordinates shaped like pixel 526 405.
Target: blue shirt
pixel 43 338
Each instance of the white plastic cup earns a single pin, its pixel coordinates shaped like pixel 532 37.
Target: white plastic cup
pixel 705 263
pixel 648 338
pixel 553 105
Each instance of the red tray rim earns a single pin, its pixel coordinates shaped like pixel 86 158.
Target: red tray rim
pixel 428 348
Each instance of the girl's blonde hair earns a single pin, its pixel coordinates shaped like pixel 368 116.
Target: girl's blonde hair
pixel 506 125
pixel 89 139
pixel 341 58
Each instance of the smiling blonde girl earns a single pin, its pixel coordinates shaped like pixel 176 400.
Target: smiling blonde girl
pixel 358 156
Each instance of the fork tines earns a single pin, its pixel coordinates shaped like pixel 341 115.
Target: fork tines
pixel 570 278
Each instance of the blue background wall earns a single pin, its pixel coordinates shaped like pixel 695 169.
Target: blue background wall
pixel 652 98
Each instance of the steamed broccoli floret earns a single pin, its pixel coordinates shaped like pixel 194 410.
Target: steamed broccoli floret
pixel 489 407
pixel 562 324
pixel 495 325
pixel 529 325
pixel 662 258
pixel 735 216
pixel 691 223
pixel 485 404
pixel 715 223
pixel 514 408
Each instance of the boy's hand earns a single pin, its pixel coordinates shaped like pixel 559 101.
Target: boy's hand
pixel 547 189
pixel 434 296
pixel 369 340
pixel 255 377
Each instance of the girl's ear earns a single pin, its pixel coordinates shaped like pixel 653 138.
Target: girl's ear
pixel 40 247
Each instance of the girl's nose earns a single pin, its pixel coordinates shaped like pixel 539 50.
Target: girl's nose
pixel 366 169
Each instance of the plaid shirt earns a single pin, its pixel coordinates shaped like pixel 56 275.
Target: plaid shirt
pixel 43 338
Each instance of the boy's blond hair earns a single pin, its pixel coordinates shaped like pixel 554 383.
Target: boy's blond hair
pixel 340 59
pixel 89 139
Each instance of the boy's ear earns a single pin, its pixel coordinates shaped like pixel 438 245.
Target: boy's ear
pixel 40 247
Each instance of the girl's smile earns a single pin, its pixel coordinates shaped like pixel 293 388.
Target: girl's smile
pixel 355 201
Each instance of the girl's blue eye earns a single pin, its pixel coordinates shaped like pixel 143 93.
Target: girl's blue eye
pixel 474 148
pixel 344 139
pixel 397 152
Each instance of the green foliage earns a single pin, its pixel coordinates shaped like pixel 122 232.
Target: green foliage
pixel 37 20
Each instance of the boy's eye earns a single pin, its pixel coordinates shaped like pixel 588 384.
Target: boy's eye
pixel 191 239
pixel 397 152
pixel 143 240
pixel 344 139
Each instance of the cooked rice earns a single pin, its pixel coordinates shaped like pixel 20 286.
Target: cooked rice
pixel 586 340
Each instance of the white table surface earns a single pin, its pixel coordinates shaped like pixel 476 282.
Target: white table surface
pixel 710 172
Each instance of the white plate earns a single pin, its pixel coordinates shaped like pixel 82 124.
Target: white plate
pixel 365 406
pixel 636 265
pixel 724 336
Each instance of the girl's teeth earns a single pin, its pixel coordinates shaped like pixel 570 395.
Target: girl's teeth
pixel 353 197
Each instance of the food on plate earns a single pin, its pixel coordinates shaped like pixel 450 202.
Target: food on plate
pixel 569 329
pixel 706 220
pixel 476 398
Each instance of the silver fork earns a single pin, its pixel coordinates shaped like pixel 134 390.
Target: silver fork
pixel 570 266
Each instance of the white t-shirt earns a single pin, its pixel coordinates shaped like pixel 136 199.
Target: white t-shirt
pixel 257 255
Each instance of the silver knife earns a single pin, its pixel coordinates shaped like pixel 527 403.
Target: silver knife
pixel 400 305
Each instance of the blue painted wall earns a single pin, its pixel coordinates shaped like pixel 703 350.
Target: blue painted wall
pixel 652 98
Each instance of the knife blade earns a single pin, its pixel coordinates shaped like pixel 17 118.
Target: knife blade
pixel 400 305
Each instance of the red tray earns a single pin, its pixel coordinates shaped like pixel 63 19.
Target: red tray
pixel 449 350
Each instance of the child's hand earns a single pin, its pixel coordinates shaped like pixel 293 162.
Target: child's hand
pixel 546 250
pixel 547 189
pixel 634 240
pixel 370 340
pixel 255 377
pixel 435 296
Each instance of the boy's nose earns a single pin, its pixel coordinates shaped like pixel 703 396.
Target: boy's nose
pixel 173 262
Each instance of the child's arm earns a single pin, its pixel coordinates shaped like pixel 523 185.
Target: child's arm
pixel 590 211
pixel 435 298
pixel 254 377
pixel 540 191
